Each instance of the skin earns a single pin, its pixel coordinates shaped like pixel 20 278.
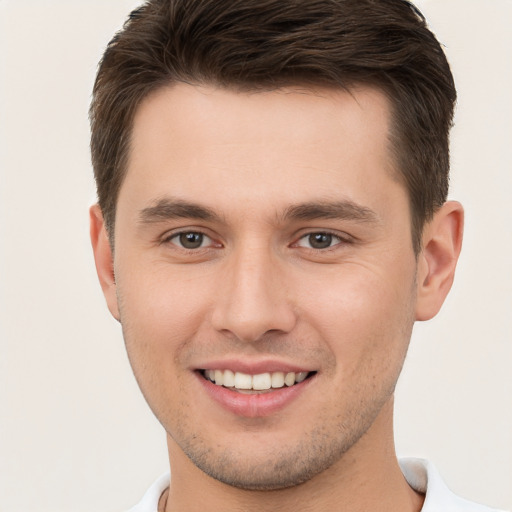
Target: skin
pixel 258 290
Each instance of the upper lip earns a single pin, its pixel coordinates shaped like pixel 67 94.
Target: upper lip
pixel 254 367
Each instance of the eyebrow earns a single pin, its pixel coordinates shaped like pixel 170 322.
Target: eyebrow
pixel 342 210
pixel 167 209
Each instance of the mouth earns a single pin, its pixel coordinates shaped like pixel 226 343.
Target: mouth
pixel 255 384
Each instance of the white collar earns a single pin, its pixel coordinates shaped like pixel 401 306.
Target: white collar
pixel 420 474
pixel 423 476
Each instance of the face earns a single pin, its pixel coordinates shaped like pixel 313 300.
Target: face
pixel 261 240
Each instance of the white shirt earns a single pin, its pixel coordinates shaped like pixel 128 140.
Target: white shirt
pixel 420 474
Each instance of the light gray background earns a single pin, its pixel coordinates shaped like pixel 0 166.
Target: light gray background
pixel 75 433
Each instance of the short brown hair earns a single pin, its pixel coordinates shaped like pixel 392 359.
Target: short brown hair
pixel 268 44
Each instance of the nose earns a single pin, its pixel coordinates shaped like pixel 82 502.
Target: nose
pixel 253 297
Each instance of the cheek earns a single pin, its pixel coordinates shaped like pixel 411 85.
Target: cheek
pixel 364 315
pixel 160 304
pixel 159 318
pixel 160 315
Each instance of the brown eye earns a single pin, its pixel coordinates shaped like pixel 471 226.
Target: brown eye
pixel 190 240
pixel 320 240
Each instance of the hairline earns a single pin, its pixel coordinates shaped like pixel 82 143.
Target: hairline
pixel 394 169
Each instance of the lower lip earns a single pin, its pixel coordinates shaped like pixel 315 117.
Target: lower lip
pixel 254 405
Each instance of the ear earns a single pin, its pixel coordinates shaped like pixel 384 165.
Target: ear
pixel 103 258
pixel 442 241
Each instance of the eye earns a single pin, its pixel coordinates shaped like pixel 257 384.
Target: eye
pixel 319 241
pixel 190 240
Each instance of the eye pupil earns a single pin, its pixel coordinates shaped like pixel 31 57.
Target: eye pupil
pixel 191 240
pixel 320 240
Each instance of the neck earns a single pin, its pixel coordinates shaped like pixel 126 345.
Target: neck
pixel 366 478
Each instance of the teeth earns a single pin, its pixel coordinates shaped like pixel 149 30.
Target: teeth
pixel 289 380
pixel 299 377
pixel 229 379
pixel 219 377
pixel 242 381
pixel 277 379
pixel 260 382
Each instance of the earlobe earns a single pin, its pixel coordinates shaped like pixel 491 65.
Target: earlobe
pixel 103 258
pixel 442 241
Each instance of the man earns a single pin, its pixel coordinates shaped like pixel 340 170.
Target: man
pixel 272 220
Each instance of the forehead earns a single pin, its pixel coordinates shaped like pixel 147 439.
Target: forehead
pixel 309 114
pixel 202 142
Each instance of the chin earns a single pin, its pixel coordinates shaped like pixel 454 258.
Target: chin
pixel 274 466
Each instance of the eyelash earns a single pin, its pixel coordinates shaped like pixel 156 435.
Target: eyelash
pixel 340 240
pixel 172 236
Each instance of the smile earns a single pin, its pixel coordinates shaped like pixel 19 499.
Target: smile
pixel 261 382
pixel 247 390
